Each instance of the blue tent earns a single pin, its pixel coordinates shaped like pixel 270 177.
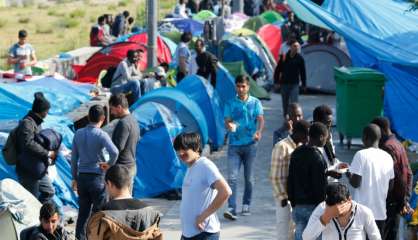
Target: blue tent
pixel 225 84
pixel 187 25
pixel 233 51
pixel 380 34
pixel 159 169
pixel 199 90
pixel 171 45
pixel 187 110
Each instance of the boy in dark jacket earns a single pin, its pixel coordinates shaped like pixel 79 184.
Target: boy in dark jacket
pixel 28 127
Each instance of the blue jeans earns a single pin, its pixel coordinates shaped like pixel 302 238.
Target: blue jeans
pixel 91 196
pixel 290 94
pixel 42 189
pixel 238 155
pixel 131 86
pixel 300 215
pixel 203 236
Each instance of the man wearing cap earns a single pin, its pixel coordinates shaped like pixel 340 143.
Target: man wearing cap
pixel 28 127
pixel 127 76
pixel 22 55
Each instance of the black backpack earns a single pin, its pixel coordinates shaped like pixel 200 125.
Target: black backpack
pixel 108 77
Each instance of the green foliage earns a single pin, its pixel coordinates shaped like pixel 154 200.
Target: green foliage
pixel 23 20
pixel 78 13
pixel 141 15
pixel 68 22
pixel 54 12
pixel 112 7
pixel 43 6
pixel 3 22
pixel 44 29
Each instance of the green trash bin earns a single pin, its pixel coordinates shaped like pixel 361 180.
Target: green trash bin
pixel 359 99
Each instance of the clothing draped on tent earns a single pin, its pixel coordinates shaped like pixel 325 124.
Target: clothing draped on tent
pixel 380 34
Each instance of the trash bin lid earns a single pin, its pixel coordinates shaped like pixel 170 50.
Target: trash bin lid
pixel 357 74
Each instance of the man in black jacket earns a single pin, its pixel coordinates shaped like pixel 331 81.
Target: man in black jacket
pixel 206 63
pixel 290 71
pixel 307 177
pixel 28 127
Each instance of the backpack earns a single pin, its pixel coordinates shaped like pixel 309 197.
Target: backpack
pixel 10 148
pixel 108 77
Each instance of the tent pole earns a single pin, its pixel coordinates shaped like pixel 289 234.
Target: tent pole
pixel 152 33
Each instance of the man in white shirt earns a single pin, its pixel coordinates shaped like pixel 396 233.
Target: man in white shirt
pixel 338 217
pixel 371 174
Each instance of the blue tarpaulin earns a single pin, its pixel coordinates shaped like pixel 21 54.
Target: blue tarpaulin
pixel 187 25
pixel 380 34
pixel 159 169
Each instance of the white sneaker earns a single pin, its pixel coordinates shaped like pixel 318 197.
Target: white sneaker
pixel 246 210
pixel 230 214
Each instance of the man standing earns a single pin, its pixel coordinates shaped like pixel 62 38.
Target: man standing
pixel 182 56
pixel 307 177
pixel 371 174
pixel 86 159
pixel 126 134
pixel 397 202
pixel 245 122
pixel 127 76
pixel 279 173
pixel 290 71
pixel 206 63
pixel 22 55
pixel 27 146
pixel 295 114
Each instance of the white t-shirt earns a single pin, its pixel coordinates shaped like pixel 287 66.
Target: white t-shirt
pixel 197 195
pixel 375 167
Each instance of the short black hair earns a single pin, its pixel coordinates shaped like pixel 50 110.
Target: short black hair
pixel 119 99
pixel 382 122
pixel 131 20
pixel 119 176
pixel 95 113
pixel 186 141
pixel 101 19
pixel 22 33
pixel 130 53
pixel 199 40
pixel 242 79
pixel 317 130
pixel 301 127
pixel 292 41
pixel 48 210
pixel 186 37
pixel 321 112
pixel 372 133
pixel 293 107
pixel 125 13
pixel 336 193
pixel 165 66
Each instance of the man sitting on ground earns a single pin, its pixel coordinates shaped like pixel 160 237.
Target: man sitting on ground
pixel 49 229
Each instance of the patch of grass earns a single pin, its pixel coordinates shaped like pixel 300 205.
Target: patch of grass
pixel 92 19
pixel 43 6
pixel 68 22
pixel 3 22
pixel 112 7
pixel 78 13
pixel 141 16
pixel 23 20
pixel 44 29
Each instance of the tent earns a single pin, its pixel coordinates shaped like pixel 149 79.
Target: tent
pixel 189 113
pixel 320 61
pixel 235 21
pixel 159 169
pixel 174 36
pixel 237 68
pixel 199 90
pixel 225 84
pixel 186 25
pixel 19 209
pixel 163 51
pixel 170 44
pixel 109 56
pixel 204 15
pixel 272 17
pixel 272 36
pixel 379 34
pixel 255 23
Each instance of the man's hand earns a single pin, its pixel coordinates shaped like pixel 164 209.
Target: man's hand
pixel 104 166
pixel 52 155
pixel 289 125
pixel 257 136
pixel 200 222
pixel 333 174
pixel 74 185
pixel 284 203
pixel 406 210
pixel 334 211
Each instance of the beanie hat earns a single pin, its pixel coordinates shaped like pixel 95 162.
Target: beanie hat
pixel 40 104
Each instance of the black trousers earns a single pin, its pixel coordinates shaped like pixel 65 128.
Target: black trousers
pixel 392 221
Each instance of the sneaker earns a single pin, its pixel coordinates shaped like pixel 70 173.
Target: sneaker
pixel 230 214
pixel 246 210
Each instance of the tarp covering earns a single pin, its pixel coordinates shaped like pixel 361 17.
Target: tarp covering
pixel 272 36
pixel 199 90
pixel 380 34
pixel 187 25
pixel 187 110
pixel 225 84
pixel 159 168
pixel 109 56
pixel 320 61
pixel 237 68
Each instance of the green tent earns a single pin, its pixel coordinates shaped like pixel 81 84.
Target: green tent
pixel 204 15
pixel 237 68
pixel 255 23
pixel 272 17
pixel 173 36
